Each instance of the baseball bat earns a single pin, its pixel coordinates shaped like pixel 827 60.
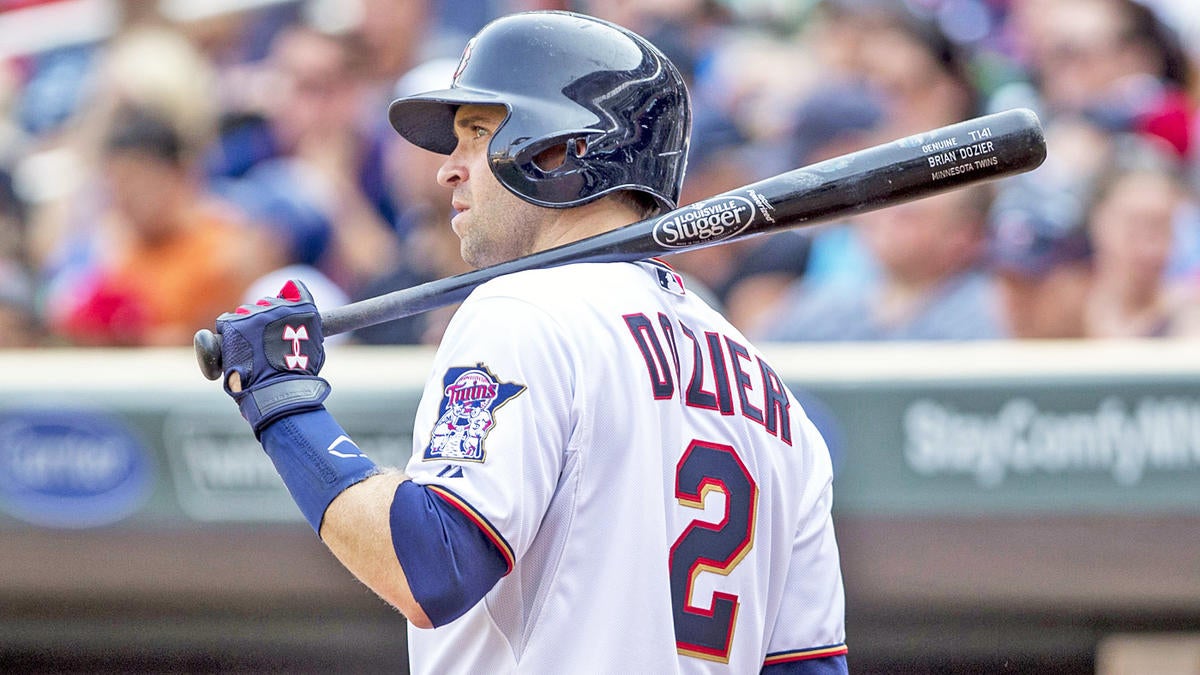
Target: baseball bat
pixel 973 151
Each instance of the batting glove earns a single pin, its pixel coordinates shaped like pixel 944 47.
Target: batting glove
pixel 275 347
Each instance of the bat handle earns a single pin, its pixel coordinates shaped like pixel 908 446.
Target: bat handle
pixel 208 353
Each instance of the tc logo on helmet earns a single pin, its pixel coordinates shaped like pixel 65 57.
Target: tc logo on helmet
pixel 462 62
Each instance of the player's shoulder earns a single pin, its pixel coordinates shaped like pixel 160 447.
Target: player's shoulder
pixel 534 309
pixel 563 287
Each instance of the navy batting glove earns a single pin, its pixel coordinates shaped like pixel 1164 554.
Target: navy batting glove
pixel 275 347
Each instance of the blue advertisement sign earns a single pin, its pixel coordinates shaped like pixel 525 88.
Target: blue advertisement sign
pixel 71 468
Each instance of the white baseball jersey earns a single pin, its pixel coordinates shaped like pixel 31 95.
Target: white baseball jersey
pixel 662 499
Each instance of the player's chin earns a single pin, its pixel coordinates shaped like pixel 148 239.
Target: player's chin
pixel 471 253
pixel 458 223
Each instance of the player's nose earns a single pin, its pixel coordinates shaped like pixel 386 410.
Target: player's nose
pixel 453 170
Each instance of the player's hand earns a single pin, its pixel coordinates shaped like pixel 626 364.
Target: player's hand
pixel 272 352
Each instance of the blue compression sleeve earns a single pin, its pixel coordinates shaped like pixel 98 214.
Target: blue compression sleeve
pixel 316 459
pixel 450 560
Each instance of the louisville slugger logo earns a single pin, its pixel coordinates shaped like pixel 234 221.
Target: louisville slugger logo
pixel 704 222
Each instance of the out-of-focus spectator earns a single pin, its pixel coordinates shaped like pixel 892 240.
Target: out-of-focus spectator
pixel 162 240
pixel 235 39
pixel 287 206
pixel 1043 268
pixel 302 110
pixel 20 325
pixel 12 222
pixel 903 76
pixel 431 248
pixel 314 115
pixel 396 37
pixel 1131 218
pixel 144 66
pixel 899 60
pixel 1113 62
pixel 1040 251
pixel 835 122
pixel 1095 69
pixel 101 186
pixel 750 278
pixel 931 283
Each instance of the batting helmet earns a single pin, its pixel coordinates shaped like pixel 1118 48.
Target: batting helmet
pixel 610 98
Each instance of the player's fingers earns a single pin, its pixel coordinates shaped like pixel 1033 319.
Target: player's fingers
pixel 234 381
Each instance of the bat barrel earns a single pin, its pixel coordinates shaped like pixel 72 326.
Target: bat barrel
pixel 973 151
pixel 984 148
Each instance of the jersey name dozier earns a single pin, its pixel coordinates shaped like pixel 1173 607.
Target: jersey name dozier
pixel 724 376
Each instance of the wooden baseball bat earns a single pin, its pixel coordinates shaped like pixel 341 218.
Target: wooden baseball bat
pixel 973 151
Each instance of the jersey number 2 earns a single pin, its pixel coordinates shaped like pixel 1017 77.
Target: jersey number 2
pixel 704 626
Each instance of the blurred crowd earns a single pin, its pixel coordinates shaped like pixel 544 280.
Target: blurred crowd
pixel 178 158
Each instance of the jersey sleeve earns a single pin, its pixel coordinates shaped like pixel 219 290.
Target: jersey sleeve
pixel 495 421
pixel 809 632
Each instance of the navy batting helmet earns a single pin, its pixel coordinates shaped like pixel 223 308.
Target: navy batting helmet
pixel 616 104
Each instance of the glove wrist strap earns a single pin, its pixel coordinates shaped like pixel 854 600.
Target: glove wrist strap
pixel 264 403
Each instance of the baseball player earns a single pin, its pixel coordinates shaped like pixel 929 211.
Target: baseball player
pixel 606 475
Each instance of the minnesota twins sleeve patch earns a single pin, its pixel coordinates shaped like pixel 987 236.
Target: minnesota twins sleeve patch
pixel 470 398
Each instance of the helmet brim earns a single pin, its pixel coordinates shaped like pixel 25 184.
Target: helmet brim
pixel 427 119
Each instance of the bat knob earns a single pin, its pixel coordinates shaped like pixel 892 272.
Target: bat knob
pixel 208 353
